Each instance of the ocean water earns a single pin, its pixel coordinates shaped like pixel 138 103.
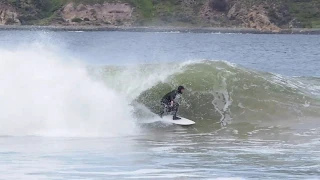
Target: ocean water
pixel 82 105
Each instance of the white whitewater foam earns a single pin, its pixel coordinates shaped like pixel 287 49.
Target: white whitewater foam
pixel 48 94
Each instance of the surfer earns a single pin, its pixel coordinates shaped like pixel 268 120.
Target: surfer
pixel 168 103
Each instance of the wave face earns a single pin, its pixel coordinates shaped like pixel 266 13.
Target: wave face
pixel 219 92
pixel 49 94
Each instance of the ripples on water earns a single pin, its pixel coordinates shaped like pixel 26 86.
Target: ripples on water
pixel 168 154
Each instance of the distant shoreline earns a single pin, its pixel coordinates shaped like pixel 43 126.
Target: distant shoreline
pixel 160 29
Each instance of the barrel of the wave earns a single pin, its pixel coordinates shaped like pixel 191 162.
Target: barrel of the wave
pixel 220 94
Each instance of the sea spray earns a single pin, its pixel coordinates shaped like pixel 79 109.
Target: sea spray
pixel 132 80
pixel 46 93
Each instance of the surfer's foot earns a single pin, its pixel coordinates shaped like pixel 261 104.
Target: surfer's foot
pixel 176 118
pixel 161 114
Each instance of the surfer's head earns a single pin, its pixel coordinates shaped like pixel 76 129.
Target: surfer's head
pixel 180 89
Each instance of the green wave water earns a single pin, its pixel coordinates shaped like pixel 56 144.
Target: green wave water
pixel 218 93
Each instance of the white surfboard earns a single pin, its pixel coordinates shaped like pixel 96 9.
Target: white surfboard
pixel 182 121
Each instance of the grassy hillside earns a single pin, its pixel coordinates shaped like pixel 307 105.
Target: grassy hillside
pixel 305 12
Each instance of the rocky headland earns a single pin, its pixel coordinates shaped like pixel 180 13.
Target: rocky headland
pixel 263 16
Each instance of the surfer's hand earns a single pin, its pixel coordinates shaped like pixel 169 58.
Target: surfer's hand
pixel 171 103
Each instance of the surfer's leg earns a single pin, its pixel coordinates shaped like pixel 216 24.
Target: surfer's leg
pixel 175 111
pixel 163 108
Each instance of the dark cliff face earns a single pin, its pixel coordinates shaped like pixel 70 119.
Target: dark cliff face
pixel 35 11
pixel 270 15
pixel 8 15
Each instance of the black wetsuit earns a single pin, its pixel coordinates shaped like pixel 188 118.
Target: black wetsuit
pixel 166 103
pixel 169 97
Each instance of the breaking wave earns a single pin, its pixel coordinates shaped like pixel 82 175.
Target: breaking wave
pixel 221 92
pixel 46 93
